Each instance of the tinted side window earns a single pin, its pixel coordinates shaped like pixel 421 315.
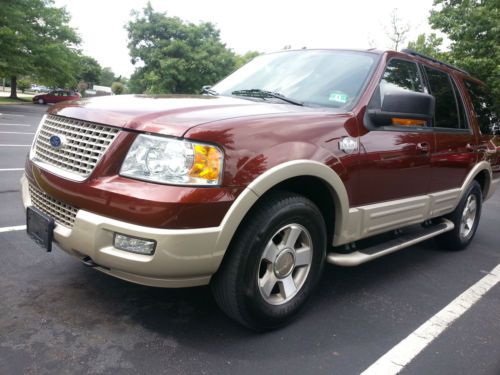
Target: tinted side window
pixel 401 75
pixel 398 75
pixel 464 124
pixel 446 115
pixel 484 108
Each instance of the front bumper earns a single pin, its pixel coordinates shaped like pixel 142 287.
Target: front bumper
pixel 183 257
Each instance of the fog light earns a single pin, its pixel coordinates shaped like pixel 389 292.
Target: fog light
pixel 134 244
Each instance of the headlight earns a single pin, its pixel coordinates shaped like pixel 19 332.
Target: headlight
pixel 173 161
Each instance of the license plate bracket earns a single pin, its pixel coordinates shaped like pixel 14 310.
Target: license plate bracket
pixel 40 227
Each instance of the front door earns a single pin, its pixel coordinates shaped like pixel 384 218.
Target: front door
pixel 395 160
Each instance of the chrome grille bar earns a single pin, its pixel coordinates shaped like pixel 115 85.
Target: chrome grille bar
pixel 61 212
pixel 86 143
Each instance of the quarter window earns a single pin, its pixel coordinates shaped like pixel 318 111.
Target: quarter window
pixel 484 108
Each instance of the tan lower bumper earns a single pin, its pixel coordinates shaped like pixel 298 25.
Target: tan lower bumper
pixel 183 257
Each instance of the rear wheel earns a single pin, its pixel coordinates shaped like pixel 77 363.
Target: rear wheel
pixel 466 219
pixel 274 262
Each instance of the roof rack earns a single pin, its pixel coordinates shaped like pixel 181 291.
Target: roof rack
pixel 415 53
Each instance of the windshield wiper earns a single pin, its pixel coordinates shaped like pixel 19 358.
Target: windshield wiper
pixel 208 90
pixel 258 93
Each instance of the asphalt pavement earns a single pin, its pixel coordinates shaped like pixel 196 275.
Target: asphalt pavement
pixel 59 317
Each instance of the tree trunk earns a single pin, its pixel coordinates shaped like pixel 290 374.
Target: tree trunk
pixel 13 87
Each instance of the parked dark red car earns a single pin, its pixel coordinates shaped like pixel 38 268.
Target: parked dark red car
pixel 56 96
pixel 298 159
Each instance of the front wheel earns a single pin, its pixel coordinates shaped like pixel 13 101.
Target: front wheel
pixel 274 262
pixel 466 219
pixel 41 101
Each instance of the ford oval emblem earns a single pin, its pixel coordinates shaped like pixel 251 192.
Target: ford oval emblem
pixel 57 141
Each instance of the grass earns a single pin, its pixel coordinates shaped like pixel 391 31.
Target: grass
pixel 7 100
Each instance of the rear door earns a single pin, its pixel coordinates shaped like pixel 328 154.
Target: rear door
pixel 454 155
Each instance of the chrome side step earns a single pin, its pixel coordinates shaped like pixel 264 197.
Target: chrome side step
pixel 358 257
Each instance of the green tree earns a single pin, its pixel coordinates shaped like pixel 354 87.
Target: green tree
pixel 117 88
pixel 429 45
pixel 107 77
pixel 36 40
pixel 136 84
pixel 175 56
pixel 473 27
pixel 90 70
pixel 23 84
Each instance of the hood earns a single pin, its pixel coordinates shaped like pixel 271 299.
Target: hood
pixel 170 115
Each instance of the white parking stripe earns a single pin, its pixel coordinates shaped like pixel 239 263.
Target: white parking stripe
pixel 11 229
pixel 11 114
pixel 15 125
pixel 15 145
pixel 15 133
pixel 403 353
pixel 11 169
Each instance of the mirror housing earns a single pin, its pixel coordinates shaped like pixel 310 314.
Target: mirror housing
pixel 407 108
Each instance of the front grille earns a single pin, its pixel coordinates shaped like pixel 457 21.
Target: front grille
pixel 85 143
pixel 61 212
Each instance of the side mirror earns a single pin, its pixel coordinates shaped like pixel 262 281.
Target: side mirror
pixel 406 108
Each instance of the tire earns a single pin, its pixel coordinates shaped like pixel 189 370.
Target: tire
pixel 41 101
pixel 466 219
pixel 254 286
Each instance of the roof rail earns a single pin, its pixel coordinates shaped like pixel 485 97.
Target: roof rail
pixel 415 53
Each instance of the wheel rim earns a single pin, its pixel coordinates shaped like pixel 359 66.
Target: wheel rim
pixel 468 217
pixel 285 264
pixel 40 101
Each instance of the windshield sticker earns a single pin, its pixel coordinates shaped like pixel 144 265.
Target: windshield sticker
pixel 339 97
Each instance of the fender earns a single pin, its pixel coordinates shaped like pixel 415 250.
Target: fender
pixel 271 178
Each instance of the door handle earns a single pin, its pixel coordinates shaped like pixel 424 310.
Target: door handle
pixel 423 147
pixel 469 147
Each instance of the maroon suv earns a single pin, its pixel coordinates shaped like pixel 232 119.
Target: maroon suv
pixel 298 159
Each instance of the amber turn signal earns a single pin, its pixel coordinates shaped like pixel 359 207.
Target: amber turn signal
pixel 207 162
pixel 408 122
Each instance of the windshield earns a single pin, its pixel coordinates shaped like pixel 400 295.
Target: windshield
pixel 312 77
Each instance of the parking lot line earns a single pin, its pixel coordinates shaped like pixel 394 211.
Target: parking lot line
pixel 403 353
pixel 15 145
pixel 12 229
pixel 15 125
pixel 11 169
pixel 11 114
pixel 16 133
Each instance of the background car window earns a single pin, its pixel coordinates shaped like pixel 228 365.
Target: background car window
pixel 484 107
pixel 446 115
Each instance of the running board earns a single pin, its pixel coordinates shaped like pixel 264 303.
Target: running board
pixel 358 257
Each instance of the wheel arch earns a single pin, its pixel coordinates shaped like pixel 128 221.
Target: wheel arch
pixel 289 176
pixel 481 173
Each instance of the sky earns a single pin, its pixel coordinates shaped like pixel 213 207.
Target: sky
pixel 257 25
